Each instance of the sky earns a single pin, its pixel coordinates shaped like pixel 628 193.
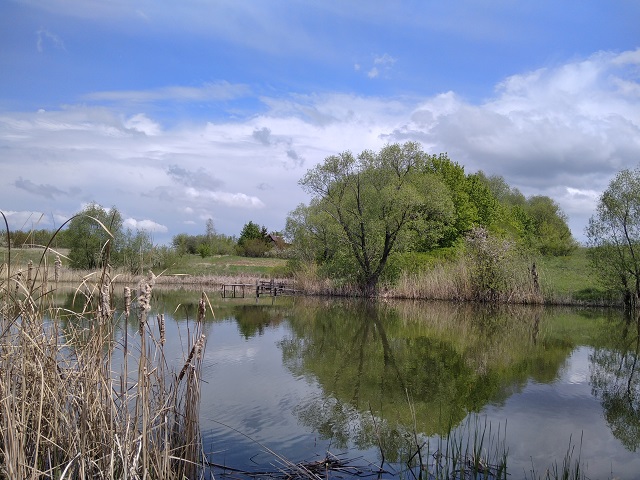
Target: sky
pixel 177 112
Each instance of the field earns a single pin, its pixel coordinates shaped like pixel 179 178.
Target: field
pixel 570 277
pixel 563 279
pixel 226 265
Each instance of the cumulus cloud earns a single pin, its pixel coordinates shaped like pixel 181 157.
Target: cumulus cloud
pixel 566 127
pixel 298 161
pixel 43 190
pixel 143 124
pixel 562 131
pixel 199 178
pixel 227 198
pixel 146 225
pixel 263 135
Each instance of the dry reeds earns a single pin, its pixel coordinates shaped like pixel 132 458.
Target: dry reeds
pixel 81 397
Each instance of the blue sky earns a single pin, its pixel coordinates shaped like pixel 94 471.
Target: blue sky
pixel 176 112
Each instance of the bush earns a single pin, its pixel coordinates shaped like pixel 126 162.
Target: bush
pixel 255 247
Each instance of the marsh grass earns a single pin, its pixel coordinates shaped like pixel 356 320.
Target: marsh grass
pixel 476 450
pixel 82 397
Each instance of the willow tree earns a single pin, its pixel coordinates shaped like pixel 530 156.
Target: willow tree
pixel 95 237
pixel 375 204
pixel 613 234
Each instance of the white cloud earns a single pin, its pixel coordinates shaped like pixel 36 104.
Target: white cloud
pixel 143 124
pixel 561 131
pixel 207 92
pixel 146 225
pixel 45 37
pixel 226 198
pixel 382 64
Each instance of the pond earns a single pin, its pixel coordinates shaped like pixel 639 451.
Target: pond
pixel 294 379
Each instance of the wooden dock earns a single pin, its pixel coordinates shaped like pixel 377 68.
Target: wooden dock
pixel 271 288
pixel 233 290
pixel 275 288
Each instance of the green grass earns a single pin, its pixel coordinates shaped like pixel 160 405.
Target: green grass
pixel 20 256
pixel 226 265
pixel 570 277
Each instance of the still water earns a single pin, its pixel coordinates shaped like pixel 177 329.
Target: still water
pixel 295 378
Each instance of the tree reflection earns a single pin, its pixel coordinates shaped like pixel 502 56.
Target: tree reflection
pixel 615 380
pixel 389 372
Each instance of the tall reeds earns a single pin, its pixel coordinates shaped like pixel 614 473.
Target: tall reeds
pixel 84 396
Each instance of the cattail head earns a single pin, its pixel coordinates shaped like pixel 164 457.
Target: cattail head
pixel 127 301
pixel 160 319
pixel 105 301
pixel 57 268
pixel 200 346
pixel 202 308
pixel 18 279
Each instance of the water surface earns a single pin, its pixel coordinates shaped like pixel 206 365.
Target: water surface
pixel 296 378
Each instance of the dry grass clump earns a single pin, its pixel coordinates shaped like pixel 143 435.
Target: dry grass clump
pixel 81 396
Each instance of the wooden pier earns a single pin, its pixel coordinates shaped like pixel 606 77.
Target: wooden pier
pixel 233 290
pixel 271 288
pixel 275 288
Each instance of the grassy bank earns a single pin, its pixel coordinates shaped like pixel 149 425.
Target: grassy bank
pixel 562 280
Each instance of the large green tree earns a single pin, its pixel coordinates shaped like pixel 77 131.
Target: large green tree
pixel 253 240
pixel 613 234
pixel 95 236
pixel 548 230
pixel 375 204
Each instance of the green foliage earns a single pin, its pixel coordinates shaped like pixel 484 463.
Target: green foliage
pixel 536 222
pixel 211 243
pixel 95 237
pixel 614 235
pixel 415 262
pixel 252 231
pixel 490 259
pixel 365 208
pixel 253 241
pixel 135 253
pixel 548 231
pixel 204 250
pixel 460 189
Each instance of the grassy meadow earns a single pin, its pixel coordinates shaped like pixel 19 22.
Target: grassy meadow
pixel 563 280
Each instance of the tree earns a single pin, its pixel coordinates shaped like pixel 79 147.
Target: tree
pixel 613 234
pixel 136 247
pixel 253 240
pixel 549 233
pixel 376 204
pixel 95 237
pixel 537 222
pixel 211 231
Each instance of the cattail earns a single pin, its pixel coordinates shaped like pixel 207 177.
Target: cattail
pixel 127 301
pixel 196 351
pixel 202 308
pixel 57 268
pixel 105 304
pixel 29 270
pixel 161 327
pixel 144 298
pixel 200 346
pixel 18 278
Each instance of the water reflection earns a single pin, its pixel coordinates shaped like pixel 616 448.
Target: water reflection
pixel 302 376
pixel 615 380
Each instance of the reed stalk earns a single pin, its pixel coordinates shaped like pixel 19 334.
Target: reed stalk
pixel 81 398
